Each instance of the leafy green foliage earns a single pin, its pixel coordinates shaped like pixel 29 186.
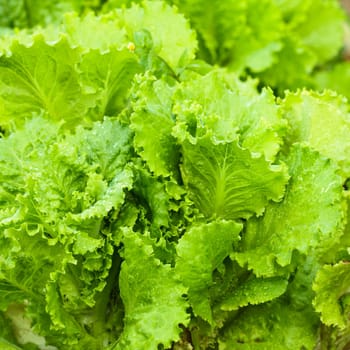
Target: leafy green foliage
pixel 332 284
pixel 212 175
pixel 322 121
pixel 155 193
pixel 155 303
pixel 210 244
pixel 335 77
pixel 39 79
pixel 275 325
pixel 29 13
pixel 284 229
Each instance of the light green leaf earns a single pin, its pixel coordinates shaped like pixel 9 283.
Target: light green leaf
pixel 332 300
pixel 154 306
pixel 30 13
pixel 292 69
pixel 323 121
pixel 92 32
pixel 260 40
pixel 336 77
pixel 323 34
pixel 226 181
pixel 230 109
pixel 175 47
pixel 60 318
pixel 238 34
pixel 19 154
pixel 26 269
pixel 108 81
pixel 111 197
pixel 153 192
pixel 152 121
pixel 105 148
pixel 308 41
pixel 269 326
pixel 41 79
pixel 58 190
pixel 200 251
pixel 216 30
pixel 301 279
pixel 254 291
pixel 310 218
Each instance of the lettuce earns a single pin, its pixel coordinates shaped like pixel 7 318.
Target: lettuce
pixel 159 188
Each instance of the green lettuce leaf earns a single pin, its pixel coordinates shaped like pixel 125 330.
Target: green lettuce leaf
pixel 321 35
pixel 58 193
pixel 200 251
pixel 145 26
pixel 154 306
pixel 288 322
pixel 175 47
pixel 238 34
pixel 30 13
pixel 109 81
pixel 274 325
pixel 41 79
pixel 153 192
pixel 308 41
pixel 309 219
pixel 332 300
pixel 201 13
pixel 226 181
pixel 150 200
pixel 56 73
pixel 335 77
pixel 152 121
pixel 260 40
pixel 254 291
pixel 230 110
pixel 91 32
pixel 321 120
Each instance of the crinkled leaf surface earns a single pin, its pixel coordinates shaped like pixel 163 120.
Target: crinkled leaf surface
pixel 254 291
pixel 231 110
pixel 160 19
pixel 309 217
pixel 109 81
pixel 41 79
pixel 274 325
pixel 94 32
pixel 332 286
pixel 200 251
pixel 152 121
pixel 154 306
pixel 58 191
pixel 323 121
pixel 226 181
pixel 173 222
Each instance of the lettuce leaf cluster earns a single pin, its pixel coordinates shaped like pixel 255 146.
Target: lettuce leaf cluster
pixel 154 191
